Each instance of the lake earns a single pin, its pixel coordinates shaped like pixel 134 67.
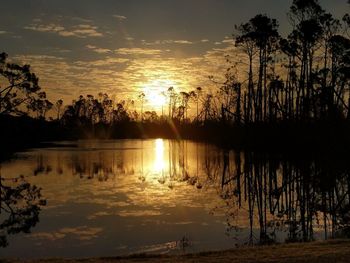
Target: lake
pixel 120 197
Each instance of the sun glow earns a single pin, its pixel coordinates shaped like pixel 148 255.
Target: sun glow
pixel 155 92
pixel 155 99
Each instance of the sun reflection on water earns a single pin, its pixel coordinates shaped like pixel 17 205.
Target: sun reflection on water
pixel 159 162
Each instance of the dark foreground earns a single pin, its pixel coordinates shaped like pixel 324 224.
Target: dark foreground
pixel 326 251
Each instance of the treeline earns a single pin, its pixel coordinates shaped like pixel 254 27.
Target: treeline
pixel 102 109
pixel 295 86
pixel 303 77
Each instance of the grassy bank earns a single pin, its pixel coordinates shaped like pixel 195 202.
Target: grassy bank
pixel 326 251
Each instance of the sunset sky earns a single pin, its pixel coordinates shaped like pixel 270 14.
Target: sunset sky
pixel 125 47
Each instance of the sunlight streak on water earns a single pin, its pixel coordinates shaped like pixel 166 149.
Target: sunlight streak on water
pixel 159 162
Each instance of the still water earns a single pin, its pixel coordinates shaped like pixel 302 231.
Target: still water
pixel 118 197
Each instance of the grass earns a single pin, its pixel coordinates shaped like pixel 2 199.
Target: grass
pixel 321 251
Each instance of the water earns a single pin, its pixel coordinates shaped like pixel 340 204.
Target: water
pixel 110 198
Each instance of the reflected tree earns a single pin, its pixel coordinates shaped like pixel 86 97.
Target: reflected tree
pixel 20 205
pixel 294 197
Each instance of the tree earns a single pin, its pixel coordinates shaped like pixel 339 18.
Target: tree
pixel 196 95
pixel 306 19
pixel 259 35
pixel 185 97
pixel 290 48
pixel 302 10
pixel 265 36
pixel 142 100
pixel 151 116
pixel 18 87
pixel 120 113
pixel 245 40
pixel 58 108
pixel 340 69
pixel 172 101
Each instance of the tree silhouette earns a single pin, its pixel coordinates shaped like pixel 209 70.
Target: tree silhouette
pixel 245 40
pixel 300 82
pixel 18 86
pixel 141 97
pixel 185 97
pixel 260 35
pixel 40 106
pixel 58 108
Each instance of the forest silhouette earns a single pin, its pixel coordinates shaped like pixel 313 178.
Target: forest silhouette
pixel 295 95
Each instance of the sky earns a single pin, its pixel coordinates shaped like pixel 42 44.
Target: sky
pixel 125 47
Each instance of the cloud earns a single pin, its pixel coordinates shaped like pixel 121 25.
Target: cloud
pixel 81 233
pixel 66 33
pixel 85 30
pixel 120 17
pixel 227 41
pixel 123 72
pixel 80 19
pixel 64 79
pixel 45 28
pixel 90 46
pixel 98 49
pixel 138 51
pixel 108 61
pixel 3 32
pixel 204 40
pixel 139 213
pixel 127 70
pixel 167 42
pixel 186 42
pixel 80 31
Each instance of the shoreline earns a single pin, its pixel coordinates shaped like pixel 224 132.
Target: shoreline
pixel 337 250
pixel 319 137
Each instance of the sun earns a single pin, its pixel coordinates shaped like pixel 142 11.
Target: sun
pixel 155 92
pixel 155 99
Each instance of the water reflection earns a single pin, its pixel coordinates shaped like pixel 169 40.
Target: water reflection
pixel 286 200
pixel 20 204
pixel 154 195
